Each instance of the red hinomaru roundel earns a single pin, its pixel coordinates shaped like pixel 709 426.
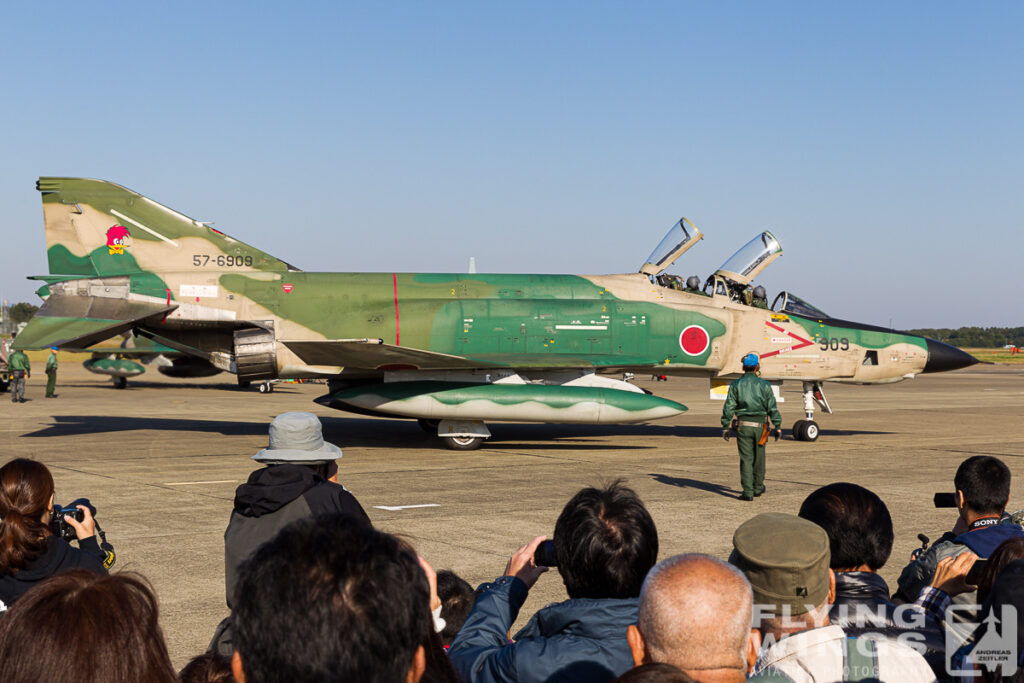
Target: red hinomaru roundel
pixel 694 340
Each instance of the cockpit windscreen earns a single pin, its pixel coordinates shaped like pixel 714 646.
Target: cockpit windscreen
pixel 787 302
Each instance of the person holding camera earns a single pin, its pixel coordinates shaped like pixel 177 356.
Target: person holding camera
pixel 752 402
pixel 982 485
pixel 30 551
pixel 604 544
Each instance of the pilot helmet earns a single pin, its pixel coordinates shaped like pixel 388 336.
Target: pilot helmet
pixel 760 292
pixel 693 282
pixel 751 361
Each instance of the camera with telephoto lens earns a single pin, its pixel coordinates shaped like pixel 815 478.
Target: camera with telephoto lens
pixel 59 527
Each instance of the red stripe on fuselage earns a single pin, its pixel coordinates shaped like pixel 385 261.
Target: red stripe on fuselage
pixel 802 344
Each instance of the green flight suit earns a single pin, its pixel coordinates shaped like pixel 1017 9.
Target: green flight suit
pixel 760 303
pixel 751 400
pixel 20 368
pixel 696 291
pixel 51 374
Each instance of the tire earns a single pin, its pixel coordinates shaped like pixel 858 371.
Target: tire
pixel 264 387
pixel 3 386
pixel 462 443
pixel 797 430
pixel 120 382
pixel 429 426
pixel 810 430
pixel 244 383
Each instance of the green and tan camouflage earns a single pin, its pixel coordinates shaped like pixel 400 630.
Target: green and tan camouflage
pixel 460 347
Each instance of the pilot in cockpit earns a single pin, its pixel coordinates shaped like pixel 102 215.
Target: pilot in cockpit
pixel 760 299
pixel 693 286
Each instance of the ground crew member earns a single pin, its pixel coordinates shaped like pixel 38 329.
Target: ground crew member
pixel 752 402
pixel 20 369
pixel 51 373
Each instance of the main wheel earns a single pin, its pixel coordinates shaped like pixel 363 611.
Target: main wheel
pixel 810 430
pixel 462 443
pixel 429 426
pixel 120 382
pixel 797 430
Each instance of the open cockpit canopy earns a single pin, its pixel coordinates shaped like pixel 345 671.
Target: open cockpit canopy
pixel 752 258
pixel 676 242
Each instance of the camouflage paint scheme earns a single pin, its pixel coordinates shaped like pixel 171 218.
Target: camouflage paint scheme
pixel 119 261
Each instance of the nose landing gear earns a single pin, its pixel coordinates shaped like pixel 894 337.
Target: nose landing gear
pixel 807 430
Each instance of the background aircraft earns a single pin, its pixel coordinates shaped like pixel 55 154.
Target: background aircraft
pixel 451 350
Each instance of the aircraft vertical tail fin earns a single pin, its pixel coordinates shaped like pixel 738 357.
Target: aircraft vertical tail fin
pixel 97 229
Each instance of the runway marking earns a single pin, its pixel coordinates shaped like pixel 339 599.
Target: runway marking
pixel 187 483
pixel 393 508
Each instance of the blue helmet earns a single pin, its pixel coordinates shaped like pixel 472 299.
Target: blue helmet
pixel 751 360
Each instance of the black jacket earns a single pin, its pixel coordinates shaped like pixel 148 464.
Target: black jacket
pixel 568 642
pixel 58 558
pixel 863 606
pixel 274 497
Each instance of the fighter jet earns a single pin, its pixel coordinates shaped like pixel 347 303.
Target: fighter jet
pixel 450 350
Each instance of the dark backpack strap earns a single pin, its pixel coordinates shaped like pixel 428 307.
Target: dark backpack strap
pixel 858 665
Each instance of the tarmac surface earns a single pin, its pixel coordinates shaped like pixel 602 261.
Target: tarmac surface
pixel 161 460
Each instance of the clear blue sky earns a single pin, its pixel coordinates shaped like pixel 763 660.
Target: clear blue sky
pixel 881 142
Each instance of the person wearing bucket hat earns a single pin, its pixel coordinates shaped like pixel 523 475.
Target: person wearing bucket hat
pixel 752 402
pixel 786 560
pixel 300 479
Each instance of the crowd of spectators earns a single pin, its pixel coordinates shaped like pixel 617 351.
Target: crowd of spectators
pixel 318 594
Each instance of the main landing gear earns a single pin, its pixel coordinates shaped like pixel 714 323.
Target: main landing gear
pixel 807 430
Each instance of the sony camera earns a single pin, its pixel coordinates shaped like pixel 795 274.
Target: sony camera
pixel 59 527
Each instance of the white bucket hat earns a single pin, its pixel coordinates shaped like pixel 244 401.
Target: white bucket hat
pixel 297 438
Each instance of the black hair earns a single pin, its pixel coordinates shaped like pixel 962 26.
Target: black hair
pixel 329 600
pixel 457 598
pixel 605 543
pixel 985 483
pixel 857 522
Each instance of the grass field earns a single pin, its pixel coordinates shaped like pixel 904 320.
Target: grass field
pixel 1001 356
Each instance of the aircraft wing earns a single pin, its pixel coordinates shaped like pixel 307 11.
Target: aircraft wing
pixel 80 322
pixel 373 354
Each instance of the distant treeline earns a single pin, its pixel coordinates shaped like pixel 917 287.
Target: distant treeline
pixel 978 337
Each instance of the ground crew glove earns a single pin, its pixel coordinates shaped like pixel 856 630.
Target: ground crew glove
pixel 725 434
pixel 777 433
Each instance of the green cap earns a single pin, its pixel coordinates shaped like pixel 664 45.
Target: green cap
pixel 785 558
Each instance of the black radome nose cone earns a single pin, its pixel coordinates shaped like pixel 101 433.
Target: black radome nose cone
pixel 943 357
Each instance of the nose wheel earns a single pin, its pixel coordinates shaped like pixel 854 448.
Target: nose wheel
pixel 805 430
pixel 462 443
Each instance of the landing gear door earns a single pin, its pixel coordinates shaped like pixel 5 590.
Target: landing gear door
pixel 679 239
pixel 752 258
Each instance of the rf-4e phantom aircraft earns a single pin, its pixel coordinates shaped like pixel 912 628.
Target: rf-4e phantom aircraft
pixel 450 350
